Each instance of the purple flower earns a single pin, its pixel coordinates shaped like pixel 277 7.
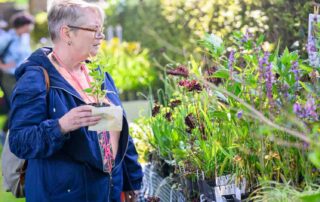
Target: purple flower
pixel 297 108
pixel 262 63
pixel 285 88
pixel 311 108
pixel 265 73
pixel 295 70
pixel 231 62
pixel 239 114
pixel 311 47
pixel 246 37
pixel 269 82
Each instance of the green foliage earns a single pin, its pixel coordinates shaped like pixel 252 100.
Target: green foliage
pixel 175 26
pixel 128 65
pixel 144 22
pixel 276 192
pixel 40 28
pixel 238 116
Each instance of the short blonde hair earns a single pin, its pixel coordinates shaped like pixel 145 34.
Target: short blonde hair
pixel 65 12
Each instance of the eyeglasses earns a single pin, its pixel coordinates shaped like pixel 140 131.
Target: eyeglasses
pixel 98 32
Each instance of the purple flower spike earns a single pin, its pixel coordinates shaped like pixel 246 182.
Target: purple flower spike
pixel 297 108
pixel 311 108
pixel 269 82
pixel 295 70
pixel 262 63
pixel 246 37
pixel 231 62
pixel 285 88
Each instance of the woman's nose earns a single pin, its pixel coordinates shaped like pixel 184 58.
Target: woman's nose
pixel 100 35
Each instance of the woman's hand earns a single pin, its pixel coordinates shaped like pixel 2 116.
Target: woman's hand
pixel 78 117
pixel 131 196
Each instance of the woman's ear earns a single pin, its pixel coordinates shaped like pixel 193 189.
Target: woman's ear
pixel 65 35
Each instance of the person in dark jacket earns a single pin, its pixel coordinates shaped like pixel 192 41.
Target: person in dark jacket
pixel 49 128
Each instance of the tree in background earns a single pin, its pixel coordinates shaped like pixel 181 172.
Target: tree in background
pixel 174 27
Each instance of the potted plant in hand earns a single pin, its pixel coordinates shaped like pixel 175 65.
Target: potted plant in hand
pixel 111 115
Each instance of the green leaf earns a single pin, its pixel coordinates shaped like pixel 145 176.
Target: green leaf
pixel 260 39
pixel 311 198
pixel 221 73
pixel 306 68
pixel 285 58
pixel 88 90
pixel 219 114
pixel 315 158
pixel 221 96
pixel 306 86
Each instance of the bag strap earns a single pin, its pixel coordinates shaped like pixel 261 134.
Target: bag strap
pixel 5 50
pixel 46 77
pixel 23 169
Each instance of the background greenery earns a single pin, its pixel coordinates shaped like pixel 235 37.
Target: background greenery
pixel 170 30
pixel 175 26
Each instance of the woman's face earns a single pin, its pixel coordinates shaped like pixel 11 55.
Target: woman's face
pixel 88 36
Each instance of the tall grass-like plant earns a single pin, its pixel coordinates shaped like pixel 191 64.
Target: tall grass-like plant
pixel 245 111
pixel 276 192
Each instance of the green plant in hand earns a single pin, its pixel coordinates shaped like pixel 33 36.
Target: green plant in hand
pixel 98 74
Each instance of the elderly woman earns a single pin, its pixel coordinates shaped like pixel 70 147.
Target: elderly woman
pixel 49 127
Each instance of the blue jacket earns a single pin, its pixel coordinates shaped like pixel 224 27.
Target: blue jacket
pixel 64 167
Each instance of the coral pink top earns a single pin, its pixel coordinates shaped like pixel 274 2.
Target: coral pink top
pixel 83 82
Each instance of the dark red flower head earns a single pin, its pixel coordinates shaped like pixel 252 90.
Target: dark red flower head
pixel 168 116
pixel 155 110
pixel 190 121
pixel 208 75
pixel 179 71
pixel 175 103
pixel 192 85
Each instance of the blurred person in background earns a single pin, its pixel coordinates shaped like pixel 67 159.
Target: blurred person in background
pixel 14 49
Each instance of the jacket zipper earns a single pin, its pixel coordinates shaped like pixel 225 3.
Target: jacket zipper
pixel 110 174
pixel 110 184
